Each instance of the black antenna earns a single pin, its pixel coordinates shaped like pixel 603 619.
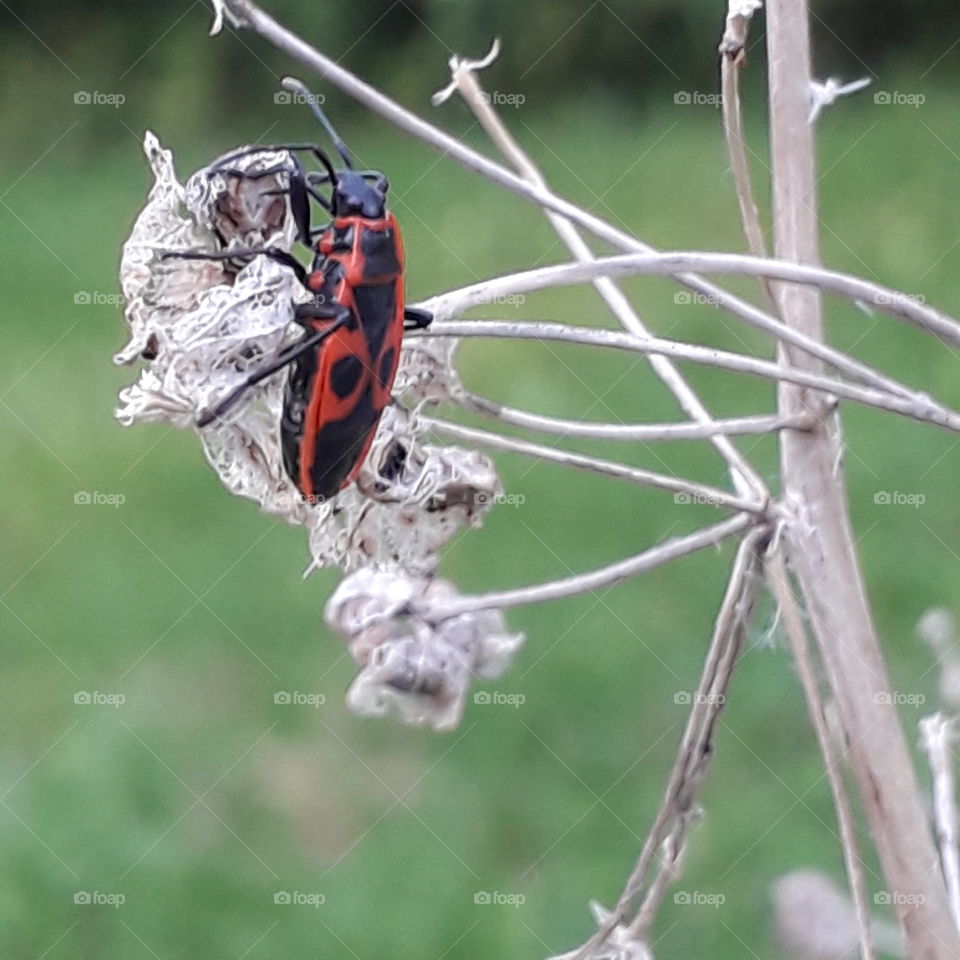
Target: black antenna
pixel 296 86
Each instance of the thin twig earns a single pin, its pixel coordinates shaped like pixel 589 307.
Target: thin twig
pixel 886 300
pixel 938 734
pixel 918 407
pixel 607 576
pixel 745 477
pixel 796 631
pixel 732 60
pixel 695 751
pixel 689 489
pixel 645 432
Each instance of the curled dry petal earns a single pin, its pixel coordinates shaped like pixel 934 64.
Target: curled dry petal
pixel 414 666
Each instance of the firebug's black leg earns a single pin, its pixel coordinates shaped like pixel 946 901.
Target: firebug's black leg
pixel 339 315
pixel 244 253
pixel 416 319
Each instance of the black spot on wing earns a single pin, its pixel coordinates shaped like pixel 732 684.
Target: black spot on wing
pixel 345 375
pixel 379 250
pixel 340 443
pixel 295 399
pixel 376 304
pixel 386 367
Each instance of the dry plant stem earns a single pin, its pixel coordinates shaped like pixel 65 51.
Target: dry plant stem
pixel 886 300
pixel 694 754
pixel 645 432
pixel 745 478
pixel 607 576
pixel 246 14
pixel 731 64
pixel 820 541
pixel 696 492
pixel 919 407
pixel 792 619
pixel 937 736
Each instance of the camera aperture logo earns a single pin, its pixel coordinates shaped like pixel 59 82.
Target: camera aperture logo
pixel 95 698
pixel 495 898
pixel 297 698
pixel 297 898
pixel 97 898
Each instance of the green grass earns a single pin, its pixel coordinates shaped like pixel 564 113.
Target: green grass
pixel 198 799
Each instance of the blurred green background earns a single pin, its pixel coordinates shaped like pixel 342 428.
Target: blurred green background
pixel 198 799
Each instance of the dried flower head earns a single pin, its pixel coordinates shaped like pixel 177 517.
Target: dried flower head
pixel 416 662
pixel 205 325
pixel 620 945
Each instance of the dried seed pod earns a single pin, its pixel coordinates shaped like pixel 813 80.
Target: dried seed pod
pixel 415 665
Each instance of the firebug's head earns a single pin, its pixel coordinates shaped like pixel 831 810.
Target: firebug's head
pixel 356 195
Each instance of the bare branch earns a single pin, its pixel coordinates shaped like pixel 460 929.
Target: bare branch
pixel 820 541
pixel 745 477
pixel 938 734
pixel 696 492
pixel 918 407
pixel 695 751
pixel 886 300
pixel 732 60
pixel 607 576
pixel 644 432
pixel 793 624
